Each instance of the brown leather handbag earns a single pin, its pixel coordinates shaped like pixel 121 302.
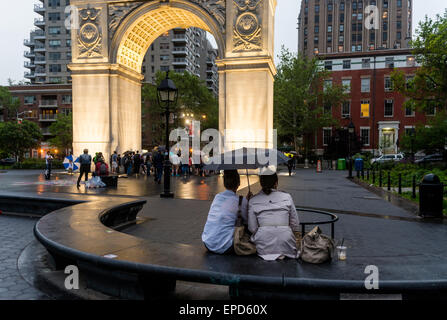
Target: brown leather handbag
pixel 316 247
pixel 241 239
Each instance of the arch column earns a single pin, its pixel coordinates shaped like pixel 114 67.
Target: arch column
pixel 106 108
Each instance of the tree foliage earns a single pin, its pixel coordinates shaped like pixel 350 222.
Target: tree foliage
pixel 8 102
pixel 193 97
pixel 16 139
pixel 428 88
pixel 62 129
pixel 431 138
pixel 299 97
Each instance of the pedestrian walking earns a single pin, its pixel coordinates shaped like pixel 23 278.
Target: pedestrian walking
pixel 85 161
pixel 114 162
pixel 48 165
pixel 118 161
pixel 158 165
pixel 136 162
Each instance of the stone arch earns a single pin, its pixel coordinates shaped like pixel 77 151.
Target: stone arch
pixel 110 43
pixel 149 21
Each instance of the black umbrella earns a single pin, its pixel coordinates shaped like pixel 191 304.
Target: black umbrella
pixel 246 158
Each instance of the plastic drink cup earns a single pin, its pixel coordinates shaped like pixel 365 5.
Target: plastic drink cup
pixel 341 250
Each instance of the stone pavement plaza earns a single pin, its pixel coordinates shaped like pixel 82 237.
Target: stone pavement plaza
pixel 365 219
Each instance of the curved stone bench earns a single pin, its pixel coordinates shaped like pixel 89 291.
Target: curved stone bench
pixel 83 235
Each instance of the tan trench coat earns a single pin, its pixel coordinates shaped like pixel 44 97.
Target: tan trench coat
pixel 272 219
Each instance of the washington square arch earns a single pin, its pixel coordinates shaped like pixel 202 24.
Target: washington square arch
pixel 111 40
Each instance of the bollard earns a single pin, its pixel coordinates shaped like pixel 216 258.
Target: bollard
pixel 413 195
pixel 380 178
pixel 400 183
pixel 389 180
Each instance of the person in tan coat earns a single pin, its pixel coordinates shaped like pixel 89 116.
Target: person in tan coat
pixel 272 218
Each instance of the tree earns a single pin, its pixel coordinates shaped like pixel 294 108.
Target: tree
pixel 194 97
pixel 430 139
pixel 428 89
pixel 16 138
pixel 8 102
pixel 300 97
pixel 62 129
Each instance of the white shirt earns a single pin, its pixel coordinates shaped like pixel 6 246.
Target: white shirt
pixel 219 228
pixel 48 158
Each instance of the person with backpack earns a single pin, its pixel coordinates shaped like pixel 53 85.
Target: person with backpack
pixel 102 169
pixel 158 165
pixel 85 161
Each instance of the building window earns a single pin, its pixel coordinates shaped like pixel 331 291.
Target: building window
pixel 67 99
pixel 327 108
pixel 342 6
pixel 366 63
pixel 399 25
pixel 317 19
pixel 55 68
pixel 399 3
pixel 317 8
pixel 409 112
pixel 346 64
pixel 316 40
pixel 54 55
pixel 431 111
pixel 54 30
pixel 364 109
pixel 342 17
pixel 55 80
pixel 365 84
pixel 364 134
pixel 54 43
pixel 328 65
pixel 317 29
pixel 54 16
pixel 327 84
pixel 327 133
pixel 388 84
pixel 329 28
pixel 389 108
pixel 164 68
pixel 164 57
pixel 341 39
pixel 164 46
pixel 346 109
pixel 342 28
pixel 347 85
pixel 28 99
pixel 385 36
pixel 389 62
pixel 329 18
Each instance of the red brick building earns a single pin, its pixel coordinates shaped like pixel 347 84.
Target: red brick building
pixel 374 107
pixel 41 104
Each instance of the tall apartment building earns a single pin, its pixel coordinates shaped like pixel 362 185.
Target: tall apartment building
pixel 181 50
pixel 330 26
pixel 49 49
pixel 49 45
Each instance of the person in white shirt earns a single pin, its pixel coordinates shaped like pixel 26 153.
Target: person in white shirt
pixel 218 233
pixel 48 162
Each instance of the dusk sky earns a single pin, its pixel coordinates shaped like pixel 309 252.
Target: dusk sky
pixel 17 18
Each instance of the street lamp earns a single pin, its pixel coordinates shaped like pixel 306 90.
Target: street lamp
pixel 351 130
pixel 167 93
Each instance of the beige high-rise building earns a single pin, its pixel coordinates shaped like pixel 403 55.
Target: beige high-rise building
pixel 329 26
pixel 49 50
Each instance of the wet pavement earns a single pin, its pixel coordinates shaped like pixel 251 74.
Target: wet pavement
pixel 365 218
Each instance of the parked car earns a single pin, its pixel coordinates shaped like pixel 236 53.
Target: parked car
pixel 7 162
pixel 437 157
pixel 387 157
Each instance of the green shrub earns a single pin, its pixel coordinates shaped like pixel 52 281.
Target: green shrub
pixel 36 164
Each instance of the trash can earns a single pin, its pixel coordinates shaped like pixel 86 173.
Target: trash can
pixel 431 196
pixel 341 165
pixel 358 164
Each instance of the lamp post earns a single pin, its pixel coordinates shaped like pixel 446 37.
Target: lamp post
pixel 351 129
pixel 167 93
